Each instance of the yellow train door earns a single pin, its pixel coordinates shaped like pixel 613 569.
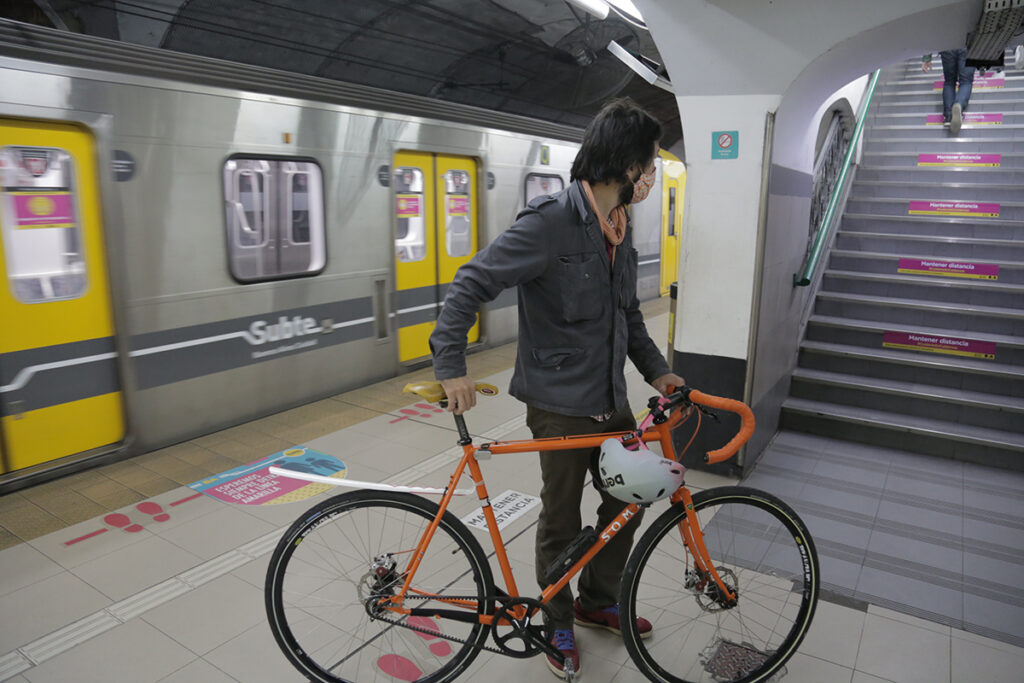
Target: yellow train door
pixel 673 189
pixel 59 389
pixel 435 204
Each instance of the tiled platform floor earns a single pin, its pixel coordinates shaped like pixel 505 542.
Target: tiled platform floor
pixel 182 599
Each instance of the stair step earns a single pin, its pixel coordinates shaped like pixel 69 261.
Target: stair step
pixel 951 365
pixel 912 424
pixel 973 321
pixel 905 145
pixel 951 226
pixel 969 176
pixel 875 262
pixel 936 246
pixel 926 287
pixel 900 206
pixel 875 326
pixel 928 392
pixel 963 191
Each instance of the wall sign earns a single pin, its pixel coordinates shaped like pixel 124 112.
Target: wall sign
pixel 725 144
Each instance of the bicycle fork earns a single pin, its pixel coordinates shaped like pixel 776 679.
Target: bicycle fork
pixel 693 540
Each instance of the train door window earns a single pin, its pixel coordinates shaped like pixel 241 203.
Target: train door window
pixel 539 184
pixel 411 240
pixel 671 211
pixel 275 217
pixel 458 237
pixel 41 236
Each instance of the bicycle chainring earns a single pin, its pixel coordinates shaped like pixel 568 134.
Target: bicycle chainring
pixel 521 638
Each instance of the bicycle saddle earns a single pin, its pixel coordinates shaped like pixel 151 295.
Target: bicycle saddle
pixel 434 392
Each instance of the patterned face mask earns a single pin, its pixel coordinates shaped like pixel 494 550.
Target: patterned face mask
pixel 642 186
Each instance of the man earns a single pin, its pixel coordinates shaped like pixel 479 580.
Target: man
pixel 571 257
pixel 957 84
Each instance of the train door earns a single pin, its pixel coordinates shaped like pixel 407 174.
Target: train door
pixel 59 389
pixel 673 189
pixel 435 199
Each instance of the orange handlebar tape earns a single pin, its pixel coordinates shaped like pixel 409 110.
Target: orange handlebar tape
pixel 733 406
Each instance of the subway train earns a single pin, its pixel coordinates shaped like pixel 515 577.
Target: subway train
pixel 188 244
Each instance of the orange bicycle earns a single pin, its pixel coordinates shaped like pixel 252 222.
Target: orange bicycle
pixel 387 584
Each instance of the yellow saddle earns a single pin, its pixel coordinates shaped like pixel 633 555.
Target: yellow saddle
pixel 434 392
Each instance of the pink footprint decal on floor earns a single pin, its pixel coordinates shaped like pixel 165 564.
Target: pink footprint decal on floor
pixel 154 510
pixel 439 649
pixel 399 667
pixel 122 522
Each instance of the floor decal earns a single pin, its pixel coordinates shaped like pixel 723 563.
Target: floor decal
pixel 423 410
pixel 969 209
pixel 151 512
pixel 969 119
pixel 945 268
pixel 959 159
pixel 953 346
pixel 253 484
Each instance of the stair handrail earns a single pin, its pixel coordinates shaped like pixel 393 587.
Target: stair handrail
pixel 826 223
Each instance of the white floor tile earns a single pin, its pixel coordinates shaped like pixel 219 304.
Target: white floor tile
pixel 45 606
pixel 972 661
pixel 211 615
pixel 23 565
pixel 897 651
pixel 803 668
pixel 134 652
pixel 254 657
pixel 218 532
pixel 199 671
pixel 137 567
pixel 835 634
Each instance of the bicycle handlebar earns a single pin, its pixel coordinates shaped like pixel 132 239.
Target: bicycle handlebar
pixel 733 406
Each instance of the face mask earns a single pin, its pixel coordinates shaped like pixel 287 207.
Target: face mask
pixel 642 186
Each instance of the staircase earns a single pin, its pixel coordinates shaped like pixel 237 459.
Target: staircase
pixel 930 359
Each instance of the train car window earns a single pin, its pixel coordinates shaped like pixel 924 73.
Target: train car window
pixel 671 211
pixel 458 236
pixel 538 184
pixel 274 217
pixel 41 231
pixel 411 239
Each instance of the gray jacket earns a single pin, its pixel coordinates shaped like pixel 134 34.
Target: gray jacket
pixel 578 317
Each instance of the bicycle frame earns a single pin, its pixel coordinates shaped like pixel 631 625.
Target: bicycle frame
pixel 689 530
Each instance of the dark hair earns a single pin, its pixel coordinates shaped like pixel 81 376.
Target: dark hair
pixel 621 135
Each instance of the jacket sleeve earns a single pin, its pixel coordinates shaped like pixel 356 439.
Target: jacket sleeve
pixel 518 255
pixel 641 348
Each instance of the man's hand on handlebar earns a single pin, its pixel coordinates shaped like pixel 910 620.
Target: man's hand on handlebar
pixel 668 383
pixel 461 392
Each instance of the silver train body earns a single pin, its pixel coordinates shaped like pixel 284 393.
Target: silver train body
pixel 194 349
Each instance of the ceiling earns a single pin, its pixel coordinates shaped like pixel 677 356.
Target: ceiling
pixel 539 58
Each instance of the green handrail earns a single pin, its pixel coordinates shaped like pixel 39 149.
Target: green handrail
pixel 826 221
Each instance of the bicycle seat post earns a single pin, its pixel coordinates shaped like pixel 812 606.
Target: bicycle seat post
pixel 460 424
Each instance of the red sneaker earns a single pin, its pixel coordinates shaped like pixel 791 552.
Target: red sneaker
pixel 608 619
pixel 565 642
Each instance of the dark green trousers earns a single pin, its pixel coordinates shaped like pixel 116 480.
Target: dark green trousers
pixel 564 474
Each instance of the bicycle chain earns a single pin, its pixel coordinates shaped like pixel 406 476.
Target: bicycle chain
pixel 438 633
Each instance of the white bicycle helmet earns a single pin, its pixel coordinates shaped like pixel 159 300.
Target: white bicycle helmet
pixel 640 476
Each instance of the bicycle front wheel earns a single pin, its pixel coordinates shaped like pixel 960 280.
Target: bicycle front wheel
pixel 336 563
pixel 765 555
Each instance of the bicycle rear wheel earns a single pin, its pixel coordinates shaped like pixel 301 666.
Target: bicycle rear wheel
pixel 765 555
pixel 330 564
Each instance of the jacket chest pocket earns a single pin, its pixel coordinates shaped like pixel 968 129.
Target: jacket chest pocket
pixel 627 286
pixel 580 281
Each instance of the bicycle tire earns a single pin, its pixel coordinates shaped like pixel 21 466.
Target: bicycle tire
pixel 763 551
pixel 322 571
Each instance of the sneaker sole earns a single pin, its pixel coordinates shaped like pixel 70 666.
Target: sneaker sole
pixel 590 624
pixel 555 669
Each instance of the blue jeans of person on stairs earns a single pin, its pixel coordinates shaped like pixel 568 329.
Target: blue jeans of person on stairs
pixel 955 72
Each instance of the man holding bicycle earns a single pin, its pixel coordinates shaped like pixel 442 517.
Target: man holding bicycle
pixel 571 257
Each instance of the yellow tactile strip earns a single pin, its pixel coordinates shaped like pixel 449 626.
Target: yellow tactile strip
pixel 55 505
